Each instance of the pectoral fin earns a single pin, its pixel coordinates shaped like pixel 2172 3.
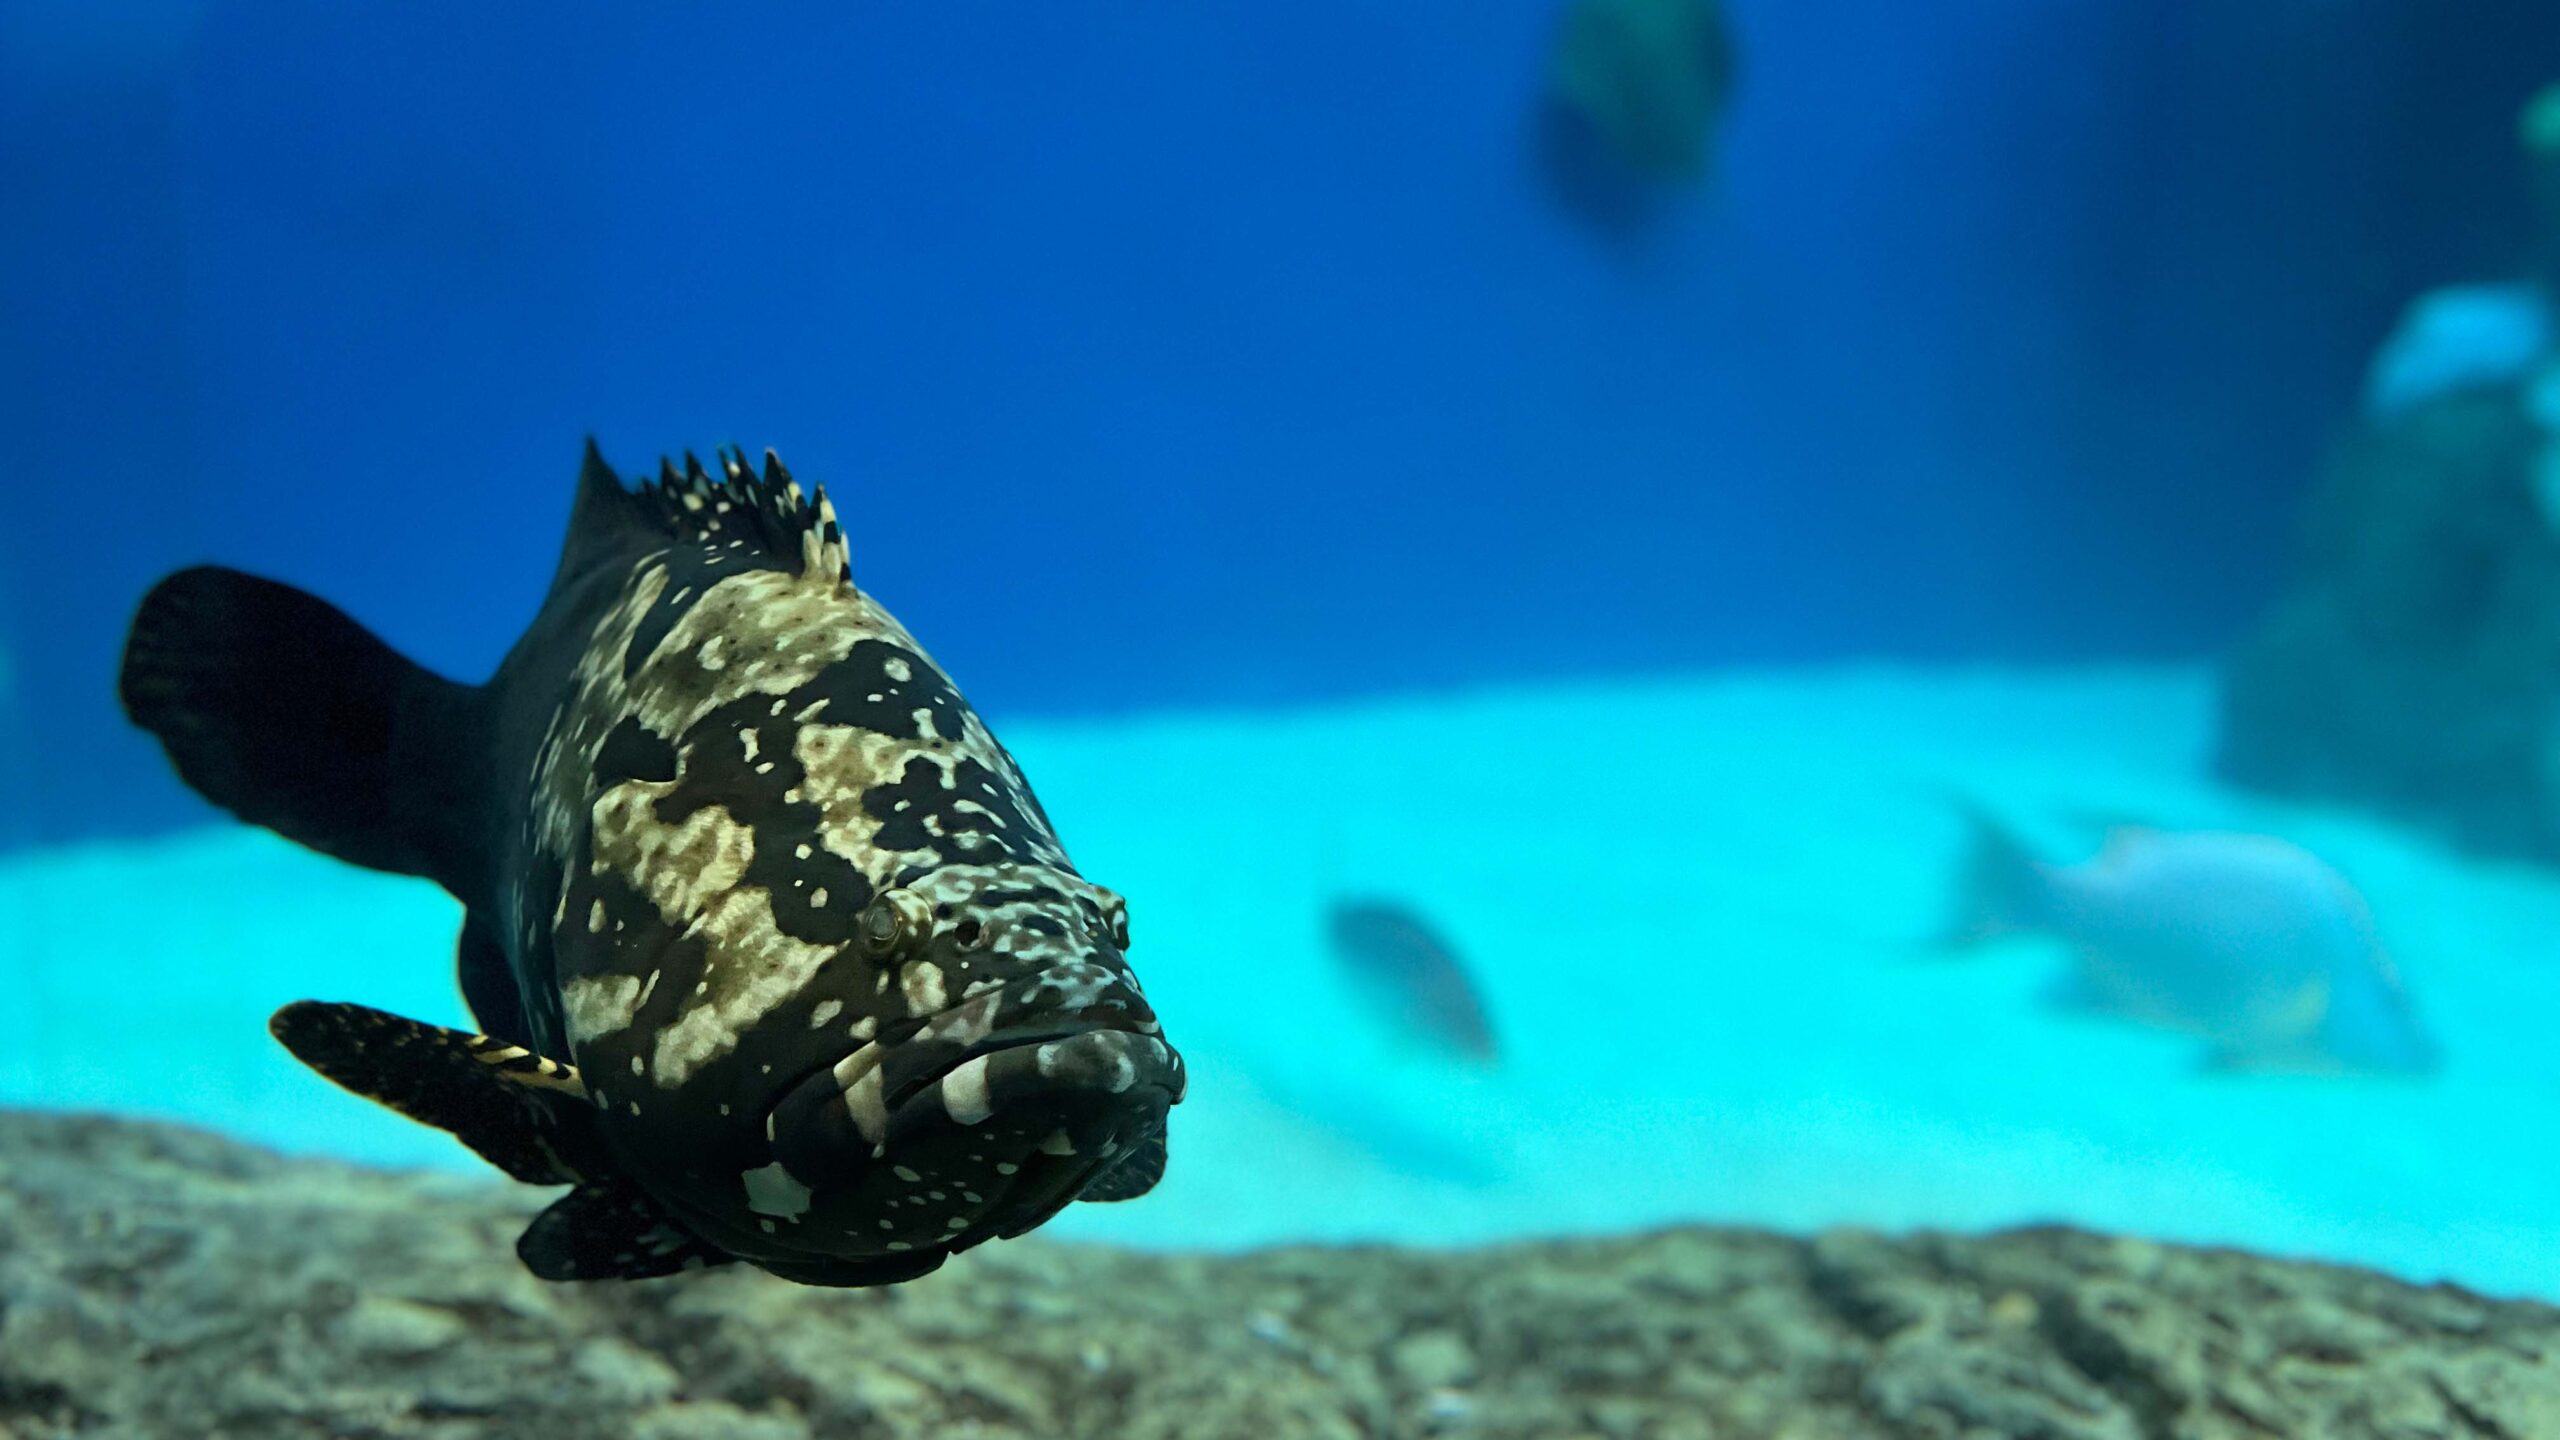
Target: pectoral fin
pixel 610 1232
pixel 527 1115
pixel 1135 1175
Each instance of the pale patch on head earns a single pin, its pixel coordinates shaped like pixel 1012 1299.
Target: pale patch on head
pixel 921 983
pixel 763 632
pixel 762 970
pixel 681 867
pixel 841 764
pixel 693 873
pixel 599 1005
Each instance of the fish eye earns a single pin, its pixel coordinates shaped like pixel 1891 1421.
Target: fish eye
pixel 1115 916
pixel 893 921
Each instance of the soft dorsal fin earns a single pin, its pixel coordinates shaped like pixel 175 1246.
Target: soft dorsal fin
pixel 610 1232
pixel 1135 1174
pixel 525 1114
pixel 766 511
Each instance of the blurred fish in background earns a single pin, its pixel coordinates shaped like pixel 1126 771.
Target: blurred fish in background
pixel 2248 941
pixel 1635 91
pixel 1411 976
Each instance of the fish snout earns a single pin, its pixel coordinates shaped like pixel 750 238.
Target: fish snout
pixel 982 1121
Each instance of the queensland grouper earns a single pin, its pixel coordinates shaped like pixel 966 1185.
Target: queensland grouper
pixel 774 955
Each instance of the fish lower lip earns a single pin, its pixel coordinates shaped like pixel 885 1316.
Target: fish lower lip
pixel 845 1120
pixel 1028 1206
pixel 1038 1195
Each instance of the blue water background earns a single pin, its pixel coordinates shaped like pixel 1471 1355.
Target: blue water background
pixel 1217 352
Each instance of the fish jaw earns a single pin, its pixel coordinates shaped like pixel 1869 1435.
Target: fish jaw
pixel 948 1124
pixel 920 1146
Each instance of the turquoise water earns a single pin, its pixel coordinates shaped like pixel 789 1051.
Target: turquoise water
pixel 1708 959
pixel 1330 483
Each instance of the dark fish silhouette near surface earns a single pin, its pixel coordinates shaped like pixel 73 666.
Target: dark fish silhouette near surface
pixel 1635 93
pixel 777 957
pixel 1399 962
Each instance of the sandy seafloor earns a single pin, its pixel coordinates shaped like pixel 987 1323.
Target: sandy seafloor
pixel 1700 909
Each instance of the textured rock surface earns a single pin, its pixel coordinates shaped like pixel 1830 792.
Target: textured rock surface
pixel 161 1282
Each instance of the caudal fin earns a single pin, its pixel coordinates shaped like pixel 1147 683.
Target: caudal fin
pixel 278 708
pixel 2001 889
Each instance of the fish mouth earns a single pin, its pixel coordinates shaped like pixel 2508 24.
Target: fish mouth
pixel 1064 1106
pixel 948 1133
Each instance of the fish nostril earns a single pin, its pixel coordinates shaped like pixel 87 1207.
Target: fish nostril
pixel 968 933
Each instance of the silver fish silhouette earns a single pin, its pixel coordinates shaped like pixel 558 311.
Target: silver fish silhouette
pixel 2248 941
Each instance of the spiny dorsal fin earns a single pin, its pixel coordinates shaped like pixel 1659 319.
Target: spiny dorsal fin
pixel 525 1114
pixel 767 510
pixel 610 1232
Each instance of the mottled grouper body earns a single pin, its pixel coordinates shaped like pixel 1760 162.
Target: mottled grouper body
pixel 776 956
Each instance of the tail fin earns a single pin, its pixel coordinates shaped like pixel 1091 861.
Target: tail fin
pixel 2002 888
pixel 278 708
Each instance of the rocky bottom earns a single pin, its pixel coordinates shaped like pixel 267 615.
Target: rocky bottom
pixel 156 1281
